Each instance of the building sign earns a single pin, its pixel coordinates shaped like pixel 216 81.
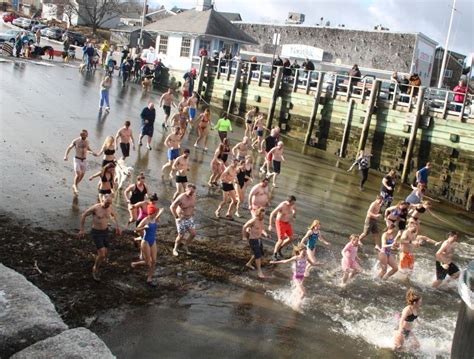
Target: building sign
pixel 424 58
pixel 302 51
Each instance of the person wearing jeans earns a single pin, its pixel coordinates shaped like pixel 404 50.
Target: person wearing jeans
pixel 104 93
pixel 363 162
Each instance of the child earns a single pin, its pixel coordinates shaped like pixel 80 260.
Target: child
pixel 300 260
pixel 312 236
pixel 407 319
pixel 350 258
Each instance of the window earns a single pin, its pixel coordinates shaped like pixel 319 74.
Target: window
pixel 439 54
pixel 205 43
pixel 185 47
pixel 163 45
pixel 448 74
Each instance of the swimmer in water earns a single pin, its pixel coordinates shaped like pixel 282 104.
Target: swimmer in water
pixel 301 260
pixel 312 236
pixel 410 313
pixel 349 259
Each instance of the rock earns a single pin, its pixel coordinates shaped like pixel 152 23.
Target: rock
pixel 26 313
pixel 74 343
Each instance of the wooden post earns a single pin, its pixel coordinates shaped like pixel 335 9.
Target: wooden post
pixel 202 70
pixel 334 85
pixel 414 129
pixel 308 82
pixel 345 135
pixel 314 111
pixel 219 68
pixel 295 83
pixel 229 69
pixel 368 115
pixel 349 88
pixel 234 86
pixel 462 107
pixel 249 72
pixel 276 89
pixel 394 100
pixel 260 75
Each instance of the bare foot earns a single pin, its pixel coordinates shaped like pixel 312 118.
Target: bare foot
pixel 217 214
pixel 188 252
pixel 261 275
pixel 75 190
pixel 248 265
pixel 175 252
pixel 237 214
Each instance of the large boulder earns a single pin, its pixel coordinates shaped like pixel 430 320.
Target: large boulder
pixel 26 313
pixel 78 343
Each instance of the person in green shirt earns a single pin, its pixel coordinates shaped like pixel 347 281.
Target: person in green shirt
pixel 223 126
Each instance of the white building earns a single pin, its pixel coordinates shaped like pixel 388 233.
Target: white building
pixel 179 37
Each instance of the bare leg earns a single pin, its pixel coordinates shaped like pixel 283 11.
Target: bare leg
pixel 192 234
pixel 152 263
pixel 233 202
pixel 223 202
pixel 258 264
pixel 250 262
pixel 179 238
pixel 393 264
pixel 101 256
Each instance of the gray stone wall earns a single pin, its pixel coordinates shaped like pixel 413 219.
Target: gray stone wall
pixel 374 49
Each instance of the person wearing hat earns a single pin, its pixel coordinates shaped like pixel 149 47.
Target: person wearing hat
pixel 188 85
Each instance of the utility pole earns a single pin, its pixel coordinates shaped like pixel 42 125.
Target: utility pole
pixel 445 55
pixel 140 40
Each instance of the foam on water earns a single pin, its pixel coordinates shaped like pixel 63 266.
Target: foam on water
pixel 290 297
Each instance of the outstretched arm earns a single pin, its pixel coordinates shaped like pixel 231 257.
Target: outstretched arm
pixel 68 149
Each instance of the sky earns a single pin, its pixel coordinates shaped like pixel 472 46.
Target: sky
pixel 431 17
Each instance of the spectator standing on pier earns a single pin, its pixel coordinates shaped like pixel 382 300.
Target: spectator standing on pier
pixel 203 52
pixel 404 89
pixel 355 75
pixel 395 82
pixel 308 65
pixel 461 90
pixel 422 175
pixel 415 81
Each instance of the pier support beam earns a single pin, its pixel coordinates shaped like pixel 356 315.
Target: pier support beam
pixel 275 91
pixel 414 129
pixel 202 71
pixel 235 85
pixel 314 111
pixel 347 125
pixel 368 115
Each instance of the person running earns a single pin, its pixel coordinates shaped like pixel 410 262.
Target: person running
pixel 101 214
pixel 363 162
pixel 223 150
pixel 370 225
pixel 241 149
pixel 181 167
pixel 223 126
pixel 252 232
pixel 311 238
pixel 410 313
pixel 148 116
pixel 180 120
pixel 259 196
pixel 284 212
pixel 105 86
pixel 192 108
pixel 349 261
pixel 217 168
pixel 106 183
pixel 258 127
pixel 108 150
pixel 203 120
pixel 275 156
pixel 249 121
pixel 125 135
pixel 166 102
pixel 148 245
pixel 228 178
pixel 422 175
pixel 182 210
pixel 388 186
pixel 82 146
pixel 300 261
pixel 270 142
pixel 133 194
pixel 397 214
pixel 444 260
pixel 417 195
pixel 240 185
pixel 385 255
pixel 173 142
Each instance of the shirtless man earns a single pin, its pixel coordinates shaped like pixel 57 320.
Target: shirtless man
pixel 259 196
pixel 444 260
pixel 258 127
pixel 192 108
pixel 409 239
pixel 181 167
pixel 173 142
pixel 126 137
pixel 266 146
pixel 167 101
pixel 183 210
pixel 82 148
pixel 241 149
pixel 101 213
pixel 284 212
pixel 252 232
pixel 276 156
pixel 228 178
pixel 370 225
pixel 180 120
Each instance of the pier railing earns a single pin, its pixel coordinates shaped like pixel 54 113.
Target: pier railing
pixel 335 84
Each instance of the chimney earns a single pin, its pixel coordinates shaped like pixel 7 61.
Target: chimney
pixel 204 5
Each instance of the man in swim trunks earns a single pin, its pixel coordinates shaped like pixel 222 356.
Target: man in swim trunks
pixel 101 213
pixel 276 156
pixel 285 212
pixel 228 177
pixel 259 196
pixel 370 225
pixel 148 116
pixel 125 136
pixel 181 167
pixel 267 145
pixel 183 210
pixel 173 142
pixel 252 232
pixel 167 101
pixel 241 149
pixel 444 260
pixel 82 146
pixel 192 108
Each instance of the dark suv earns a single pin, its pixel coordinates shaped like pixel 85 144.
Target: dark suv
pixel 75 38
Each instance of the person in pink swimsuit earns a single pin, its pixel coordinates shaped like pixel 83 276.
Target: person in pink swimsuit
pixel 349 259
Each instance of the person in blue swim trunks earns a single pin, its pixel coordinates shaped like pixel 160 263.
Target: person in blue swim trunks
pixel 311 238
pixel 173 142
pixel 148 246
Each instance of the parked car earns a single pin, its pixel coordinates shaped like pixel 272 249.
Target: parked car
pixel 10 36
pixel 9 17
pixel 55 33
pixel 75 38
pixel 38 27
pixel 29 23
pixel 18 21
pixel 44 31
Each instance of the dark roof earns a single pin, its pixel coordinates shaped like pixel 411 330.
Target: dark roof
pixel 231 16
pixel 208 22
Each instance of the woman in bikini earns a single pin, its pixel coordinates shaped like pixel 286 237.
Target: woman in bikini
pixel 108 149
pixel 133 194
pixel 204 120
pixel 385 255
pixel 106 183
pixel 410 313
